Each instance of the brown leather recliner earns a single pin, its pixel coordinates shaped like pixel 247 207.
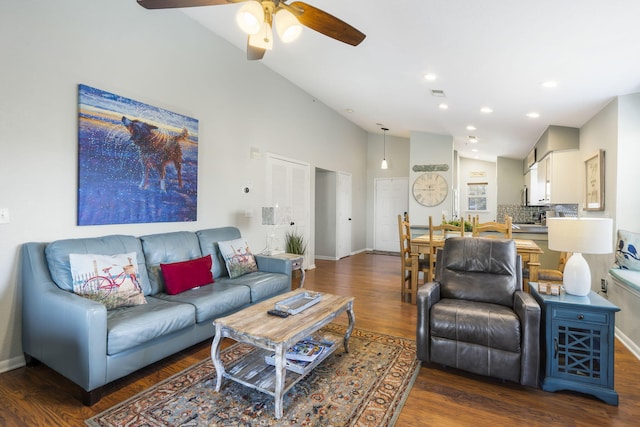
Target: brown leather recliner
pixel 475 315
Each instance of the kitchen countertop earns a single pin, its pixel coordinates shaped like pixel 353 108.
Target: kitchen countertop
pixel 530 228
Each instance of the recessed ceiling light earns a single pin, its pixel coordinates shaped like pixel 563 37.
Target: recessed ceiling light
pixel 486 110
pixel 349 110
pixel 430 76
pixel 533 115
pixel 549 84
pixel 471 127
pixel 472 139
pixel 474 150
pixel 443 106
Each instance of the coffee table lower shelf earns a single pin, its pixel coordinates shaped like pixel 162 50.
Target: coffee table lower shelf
pixel 255 373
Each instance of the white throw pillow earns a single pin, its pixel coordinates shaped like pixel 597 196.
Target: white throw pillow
pixel 109 279
pixel 237 257
pixel 627 256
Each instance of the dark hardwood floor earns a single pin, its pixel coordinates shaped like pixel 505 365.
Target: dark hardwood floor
pixel 38 396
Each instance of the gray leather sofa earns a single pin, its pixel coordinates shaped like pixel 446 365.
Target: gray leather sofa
pixel 93 346
pixel 475 315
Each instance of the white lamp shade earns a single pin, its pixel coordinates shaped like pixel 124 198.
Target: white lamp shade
pixel 263 39
pixel 584 235
pixel 287 26
pixel 384 164
pixel 250 17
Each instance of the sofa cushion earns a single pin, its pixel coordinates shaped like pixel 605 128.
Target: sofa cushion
pixel 165 248
pixel 237 257
pixel 262 284
pixel 627 255
pixel 128 327
pixel 213 301
pixel 489 325
pixel 112 280
pixel 184 275
pixel 57 254
pixel 209 239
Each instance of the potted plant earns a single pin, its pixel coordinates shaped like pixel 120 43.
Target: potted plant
pixel 468 228
pixel 295 243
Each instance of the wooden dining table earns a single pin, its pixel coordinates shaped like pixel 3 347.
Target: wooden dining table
pixel 527 249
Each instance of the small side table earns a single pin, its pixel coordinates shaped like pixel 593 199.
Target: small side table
pixel 296 264
pixel 577 339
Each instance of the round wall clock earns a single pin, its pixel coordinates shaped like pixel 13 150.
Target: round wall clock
pixel 430 189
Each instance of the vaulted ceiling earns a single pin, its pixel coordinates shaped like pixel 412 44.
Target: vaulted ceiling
pixel 484 53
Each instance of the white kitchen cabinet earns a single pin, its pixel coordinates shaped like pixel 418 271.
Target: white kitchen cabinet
pixel 543 189
pixel 558 178
pixel 534 193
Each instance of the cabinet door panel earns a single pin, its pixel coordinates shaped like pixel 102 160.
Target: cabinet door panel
pixel 579 352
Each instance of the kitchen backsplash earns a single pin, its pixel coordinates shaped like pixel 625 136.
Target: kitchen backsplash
pixel 531 214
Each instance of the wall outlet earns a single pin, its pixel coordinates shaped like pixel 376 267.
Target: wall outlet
pixel 604 285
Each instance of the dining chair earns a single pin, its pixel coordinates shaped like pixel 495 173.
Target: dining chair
pixel 504 228
pixel 406 268
pixel 551 275
pixel 437 235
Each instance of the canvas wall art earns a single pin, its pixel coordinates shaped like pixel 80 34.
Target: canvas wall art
pixel 136 163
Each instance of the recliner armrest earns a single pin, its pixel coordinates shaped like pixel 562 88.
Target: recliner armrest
pixel 428 294
pixel 529 312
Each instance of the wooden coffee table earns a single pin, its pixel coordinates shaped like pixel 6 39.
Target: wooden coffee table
pixel 275 335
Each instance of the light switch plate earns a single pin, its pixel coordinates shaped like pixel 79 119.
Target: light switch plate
pixel 4 216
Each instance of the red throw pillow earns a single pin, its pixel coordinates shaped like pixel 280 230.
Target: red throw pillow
pixel 184 275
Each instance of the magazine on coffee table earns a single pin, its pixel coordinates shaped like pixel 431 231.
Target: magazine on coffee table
pixel 302 354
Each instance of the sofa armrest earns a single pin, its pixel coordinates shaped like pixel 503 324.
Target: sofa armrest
pixel 528 310
pixel 66 332
pixel 271 264
pixel 428 294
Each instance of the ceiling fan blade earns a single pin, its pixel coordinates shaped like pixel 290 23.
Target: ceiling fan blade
pixel 169 4
pixel 254 53
pixel 327 24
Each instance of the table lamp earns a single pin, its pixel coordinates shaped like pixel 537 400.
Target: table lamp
pixel 580 236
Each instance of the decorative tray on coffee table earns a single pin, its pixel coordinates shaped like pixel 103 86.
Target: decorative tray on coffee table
pixel 298 303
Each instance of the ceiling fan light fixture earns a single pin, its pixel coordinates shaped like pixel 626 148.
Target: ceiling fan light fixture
pixel 263 39
pixel 250 17
pixel 287 26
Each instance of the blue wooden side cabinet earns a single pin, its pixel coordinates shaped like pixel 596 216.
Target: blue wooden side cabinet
pixel 577 343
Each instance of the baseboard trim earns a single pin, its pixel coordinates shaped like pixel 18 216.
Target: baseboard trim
pixel 633 347
pixel 11 364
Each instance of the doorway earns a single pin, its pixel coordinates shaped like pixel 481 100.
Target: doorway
pixel 391 198
pixel 333 208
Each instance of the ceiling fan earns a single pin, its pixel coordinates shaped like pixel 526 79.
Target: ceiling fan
pixel 256 18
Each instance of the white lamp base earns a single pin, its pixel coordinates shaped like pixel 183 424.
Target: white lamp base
pixel 577 276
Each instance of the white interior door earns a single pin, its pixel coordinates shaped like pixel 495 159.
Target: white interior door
pixel 288 185
pixel 343 215
pixel 391 197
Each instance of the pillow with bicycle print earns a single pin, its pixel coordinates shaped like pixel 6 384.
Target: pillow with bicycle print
pixel 112 280
pixel 627 247
pixel 237 257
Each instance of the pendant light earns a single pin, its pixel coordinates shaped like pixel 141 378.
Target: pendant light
pixel 384 164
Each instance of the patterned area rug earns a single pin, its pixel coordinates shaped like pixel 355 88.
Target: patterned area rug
pixel 365 387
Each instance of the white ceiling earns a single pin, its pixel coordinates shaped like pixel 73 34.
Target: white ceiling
pixel 492 53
